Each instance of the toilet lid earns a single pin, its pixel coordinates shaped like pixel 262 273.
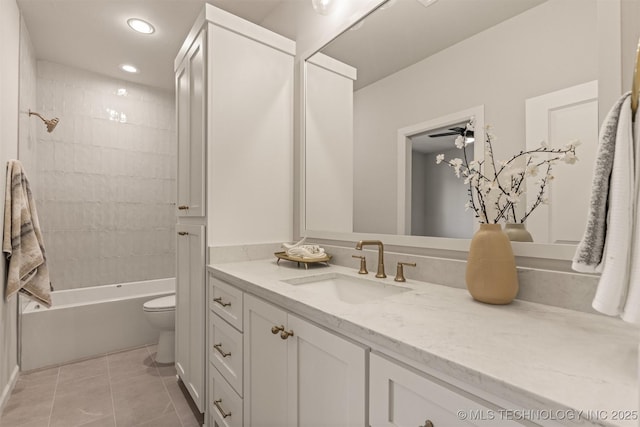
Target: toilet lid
pixel 161 304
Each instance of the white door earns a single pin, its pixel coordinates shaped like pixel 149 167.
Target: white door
pixel 326 378
pixel 265 365
pixel 558 118
pixel 190 310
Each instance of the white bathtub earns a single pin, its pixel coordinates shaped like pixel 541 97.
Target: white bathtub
pixel 87 322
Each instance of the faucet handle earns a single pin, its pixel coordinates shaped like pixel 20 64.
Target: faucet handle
pixel 400 271
pixel 363 264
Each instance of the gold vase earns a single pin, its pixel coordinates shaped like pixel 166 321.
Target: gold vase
pixel 517 233
pixel 491 267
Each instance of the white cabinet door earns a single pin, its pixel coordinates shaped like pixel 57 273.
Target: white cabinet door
pixel 326 378
pixel 265 365
pixel 190 310
pixel 190 106
pixel 400 397
pixel 309 378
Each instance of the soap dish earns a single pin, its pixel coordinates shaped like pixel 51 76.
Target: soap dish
pixel 304 261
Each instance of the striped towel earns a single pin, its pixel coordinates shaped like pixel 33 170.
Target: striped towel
pixel 22 242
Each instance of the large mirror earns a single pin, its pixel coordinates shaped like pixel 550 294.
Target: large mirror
pixel 390 94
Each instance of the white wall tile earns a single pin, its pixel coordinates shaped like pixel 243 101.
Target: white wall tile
pixel 107 187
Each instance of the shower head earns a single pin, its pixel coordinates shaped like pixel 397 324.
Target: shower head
pixel 51 124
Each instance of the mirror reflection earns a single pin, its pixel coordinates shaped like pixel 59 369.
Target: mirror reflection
pixel 413 69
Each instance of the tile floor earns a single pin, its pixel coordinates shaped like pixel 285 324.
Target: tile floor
pixel 123 389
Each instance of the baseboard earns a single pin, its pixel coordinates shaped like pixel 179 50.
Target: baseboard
pixel 6 393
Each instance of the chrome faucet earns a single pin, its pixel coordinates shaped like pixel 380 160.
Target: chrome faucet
pixel 362 243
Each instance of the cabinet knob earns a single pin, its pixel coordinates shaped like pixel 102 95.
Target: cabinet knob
pixel 183 207
pixel 222 352
pixel 218 405
pixel 276 329
pixel 219 301
pixel 183 233
pixel 286 334
pixel 427 423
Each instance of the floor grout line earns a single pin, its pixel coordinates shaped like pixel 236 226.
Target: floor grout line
pixel 53 399
pixel 165 388
pixel 113 401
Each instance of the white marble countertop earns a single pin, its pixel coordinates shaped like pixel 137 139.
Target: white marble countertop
pixel 533 355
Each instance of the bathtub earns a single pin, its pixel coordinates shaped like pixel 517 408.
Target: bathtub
pixel 87 322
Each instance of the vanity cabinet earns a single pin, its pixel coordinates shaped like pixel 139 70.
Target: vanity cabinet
pixel 293 373
pixel 190 309
pixel 400 396
pixel 298 374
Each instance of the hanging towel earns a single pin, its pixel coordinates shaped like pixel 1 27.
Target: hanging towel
pixel 589 254
pixel 629 308
pixel 28 272
pixel 614 281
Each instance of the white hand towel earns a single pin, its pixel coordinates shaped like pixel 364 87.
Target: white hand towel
pixel 631 304
pixel 613 284
pixel 22 240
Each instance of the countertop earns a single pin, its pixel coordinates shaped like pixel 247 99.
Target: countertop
pixel 537 356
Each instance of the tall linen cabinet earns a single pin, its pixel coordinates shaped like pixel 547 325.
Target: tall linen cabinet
pixel 234 105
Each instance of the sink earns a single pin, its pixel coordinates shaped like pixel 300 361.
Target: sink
pixel 349 289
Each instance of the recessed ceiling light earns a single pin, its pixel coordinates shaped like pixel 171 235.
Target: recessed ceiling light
pixel 129 68
pixel 140 26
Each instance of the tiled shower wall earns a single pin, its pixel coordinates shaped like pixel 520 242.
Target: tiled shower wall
pixel 107 178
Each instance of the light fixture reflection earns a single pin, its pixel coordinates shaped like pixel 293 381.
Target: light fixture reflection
pixel 323 7
pixel 129 68
pixel 140 26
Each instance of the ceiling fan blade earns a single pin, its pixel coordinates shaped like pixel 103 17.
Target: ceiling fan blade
pixel 444 134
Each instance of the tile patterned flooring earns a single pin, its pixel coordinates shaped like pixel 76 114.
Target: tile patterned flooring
pixel 123 389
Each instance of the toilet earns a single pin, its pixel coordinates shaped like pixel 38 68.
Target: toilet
pixel 161 313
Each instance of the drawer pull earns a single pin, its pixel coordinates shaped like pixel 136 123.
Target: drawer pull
pixel 183 233
pixel 427 423
pixel 183 207
pixel 222 352
pixel 276 329
pixel 219 407
pixel 286 334
pixel 219 301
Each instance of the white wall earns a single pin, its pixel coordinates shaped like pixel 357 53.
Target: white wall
pixel 108 178
pixel 565 54
pixel 9 81
pixel 438 198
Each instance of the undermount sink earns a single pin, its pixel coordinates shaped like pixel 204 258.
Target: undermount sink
pixel 352 290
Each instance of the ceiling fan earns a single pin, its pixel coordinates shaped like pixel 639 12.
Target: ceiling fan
pixel 455 131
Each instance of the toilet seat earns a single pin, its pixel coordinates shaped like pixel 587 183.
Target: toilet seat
pixel 167 303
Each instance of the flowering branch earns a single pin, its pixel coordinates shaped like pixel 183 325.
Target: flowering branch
pixel 505 187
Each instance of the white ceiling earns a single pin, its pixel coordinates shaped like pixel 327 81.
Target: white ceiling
pixel 93 34
pixel 394 37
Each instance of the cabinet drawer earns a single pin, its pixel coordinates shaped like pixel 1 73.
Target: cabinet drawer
pixel 225 406
pixel 225 351
pixel 226 302
pixel 401 397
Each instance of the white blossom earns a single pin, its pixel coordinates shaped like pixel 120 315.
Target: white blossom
pixel 439 158
pixel 569 158
pixel 460 142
